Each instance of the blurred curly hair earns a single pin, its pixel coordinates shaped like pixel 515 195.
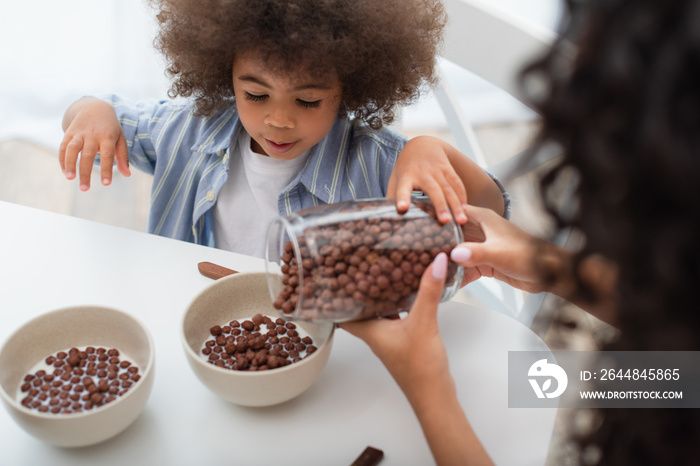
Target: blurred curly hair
pixel 624 108
pixel 383 52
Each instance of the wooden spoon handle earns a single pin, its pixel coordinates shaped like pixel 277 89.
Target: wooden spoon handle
pixel 211 270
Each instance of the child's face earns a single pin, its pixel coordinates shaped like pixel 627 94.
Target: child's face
pixel 284 115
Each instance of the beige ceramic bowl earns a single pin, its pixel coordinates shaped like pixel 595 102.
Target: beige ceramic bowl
pixel 76 327
pixel 241 296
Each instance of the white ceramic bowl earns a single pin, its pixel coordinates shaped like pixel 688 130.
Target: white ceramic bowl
pixel 241 296
pixel 77 327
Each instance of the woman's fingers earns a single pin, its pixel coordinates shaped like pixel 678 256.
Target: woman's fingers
pixel 423 310
pixel 430 291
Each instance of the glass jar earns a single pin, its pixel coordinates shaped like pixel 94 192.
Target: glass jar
pixel 355 260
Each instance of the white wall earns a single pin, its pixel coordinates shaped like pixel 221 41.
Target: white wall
pixel 52 52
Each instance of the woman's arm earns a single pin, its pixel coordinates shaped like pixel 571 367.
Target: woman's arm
pixel 445 426
pixel 422 371
pixel 509 254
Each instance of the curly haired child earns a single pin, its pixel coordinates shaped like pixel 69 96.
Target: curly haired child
pixel 286 106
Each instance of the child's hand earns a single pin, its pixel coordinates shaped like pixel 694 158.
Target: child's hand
pixel 423 165
pixel 91 127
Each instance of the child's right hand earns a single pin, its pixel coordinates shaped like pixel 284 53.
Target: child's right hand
pixel 91 127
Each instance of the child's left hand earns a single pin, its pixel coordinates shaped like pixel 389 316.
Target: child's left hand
pixel 423 165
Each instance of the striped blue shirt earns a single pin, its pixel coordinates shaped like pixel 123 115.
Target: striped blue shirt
pixel 188 156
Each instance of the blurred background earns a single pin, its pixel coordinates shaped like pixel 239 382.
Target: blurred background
pixel 52 53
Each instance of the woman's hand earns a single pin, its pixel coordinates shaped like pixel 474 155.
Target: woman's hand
pixel 501 250
pixel 91 127
pixel 414 353
pixel 394 340
pixel 505 252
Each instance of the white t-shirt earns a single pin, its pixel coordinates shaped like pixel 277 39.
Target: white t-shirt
pixel 248 201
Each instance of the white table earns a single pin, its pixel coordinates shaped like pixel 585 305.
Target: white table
pixel 48 261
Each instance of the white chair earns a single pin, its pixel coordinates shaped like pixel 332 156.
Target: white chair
pixel 493 45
